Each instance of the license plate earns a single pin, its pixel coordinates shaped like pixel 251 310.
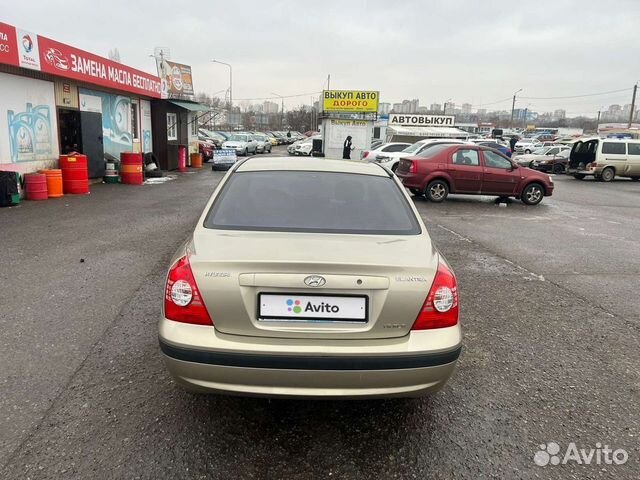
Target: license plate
pixel 312 308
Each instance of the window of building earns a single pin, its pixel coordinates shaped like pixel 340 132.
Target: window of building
pixel 194 126
pixel 614 148
pixel 172 126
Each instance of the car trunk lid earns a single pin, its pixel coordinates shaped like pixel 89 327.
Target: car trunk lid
pixel 250 282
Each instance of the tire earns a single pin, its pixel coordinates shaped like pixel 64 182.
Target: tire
pixel 246 152
pixel 437 191
pixel 578 176
pixel 557 168
pixel 416 192
pixel 532 194
pixel 635 179
pixel 154 174
pixel 527 151
pixel 607 174
pixel 394 168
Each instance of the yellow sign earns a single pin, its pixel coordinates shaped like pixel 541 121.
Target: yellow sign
pixel 350 101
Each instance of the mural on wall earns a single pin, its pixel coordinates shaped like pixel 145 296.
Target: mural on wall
pixel 116 120
pixel 145 110
pixel 30 133
pixel 28 124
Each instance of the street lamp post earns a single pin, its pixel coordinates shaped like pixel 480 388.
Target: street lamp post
pixel 513 106
pixel 230 85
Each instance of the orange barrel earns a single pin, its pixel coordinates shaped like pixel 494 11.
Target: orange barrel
pixel 196 160
pixel 131 168
pixel 36 186
pixel 54 182
pixel 75 174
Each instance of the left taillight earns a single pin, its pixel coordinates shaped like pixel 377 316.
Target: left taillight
pixel 440 308
pixel 182 299
pixel 413 166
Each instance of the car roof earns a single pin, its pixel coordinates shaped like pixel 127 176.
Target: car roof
pixel 311 164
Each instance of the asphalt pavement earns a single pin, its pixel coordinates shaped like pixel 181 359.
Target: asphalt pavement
pixel 551 349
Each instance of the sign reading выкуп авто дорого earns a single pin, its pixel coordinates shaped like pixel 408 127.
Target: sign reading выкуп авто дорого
pixel 350 101
pixel 408 120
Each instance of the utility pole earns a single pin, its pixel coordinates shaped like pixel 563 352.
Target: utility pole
pixel 329 82
pixel 598 121
pixel 513 106
pixel 633 105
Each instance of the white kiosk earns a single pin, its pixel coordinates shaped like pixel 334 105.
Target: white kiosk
pixel 348 113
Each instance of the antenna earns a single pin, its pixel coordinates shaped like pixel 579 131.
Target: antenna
pixel 163 53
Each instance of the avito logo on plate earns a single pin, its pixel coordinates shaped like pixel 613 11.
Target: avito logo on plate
pixel 294 306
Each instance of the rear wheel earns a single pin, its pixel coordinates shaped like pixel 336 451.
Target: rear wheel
pixel 607 174
pixel 557 168
pixel 532 194
pixel 437 191
pixel 394 168
pixel 635 179
pixel 527 151
pixel 578 176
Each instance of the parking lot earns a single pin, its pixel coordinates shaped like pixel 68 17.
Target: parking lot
pixel 551 348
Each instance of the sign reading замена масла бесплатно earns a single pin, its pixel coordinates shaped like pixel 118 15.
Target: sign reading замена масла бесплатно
pixel 408 120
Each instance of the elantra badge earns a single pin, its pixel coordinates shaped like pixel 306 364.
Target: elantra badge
pixel 314 281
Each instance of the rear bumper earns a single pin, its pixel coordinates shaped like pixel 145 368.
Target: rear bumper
pixel 280 368
pixel 411 180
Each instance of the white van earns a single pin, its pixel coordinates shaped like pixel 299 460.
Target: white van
pixel 605 158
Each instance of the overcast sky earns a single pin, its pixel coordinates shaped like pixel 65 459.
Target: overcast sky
pixel 472 51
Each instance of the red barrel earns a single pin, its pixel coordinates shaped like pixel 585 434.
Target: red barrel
pixel 75 174
pixel 131 168
pixel 182 158
pixel 36 186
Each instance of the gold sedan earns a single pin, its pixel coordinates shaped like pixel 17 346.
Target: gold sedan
pixel 310 278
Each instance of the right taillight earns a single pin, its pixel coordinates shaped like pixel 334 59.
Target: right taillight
pixel 440 309
pixel 365 154
pixel 182 299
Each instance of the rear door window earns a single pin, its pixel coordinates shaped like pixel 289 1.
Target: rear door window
pixel 394 148
pixel 614 148
pixel 634 148
pixel 466 157
pixel 319 202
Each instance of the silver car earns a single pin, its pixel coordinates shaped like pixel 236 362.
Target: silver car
pixel 298 282
pixel 263 143
pixel 242 143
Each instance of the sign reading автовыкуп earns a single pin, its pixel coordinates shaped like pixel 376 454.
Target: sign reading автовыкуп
pixel 358 101
pixel 404 120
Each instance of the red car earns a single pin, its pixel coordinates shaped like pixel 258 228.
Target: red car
pixel 206 148
pixel 471 169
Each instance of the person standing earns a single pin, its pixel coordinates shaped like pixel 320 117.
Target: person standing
pixel 346 149
pixel 512 142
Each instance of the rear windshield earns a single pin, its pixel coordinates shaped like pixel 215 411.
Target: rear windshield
pixel 319 202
